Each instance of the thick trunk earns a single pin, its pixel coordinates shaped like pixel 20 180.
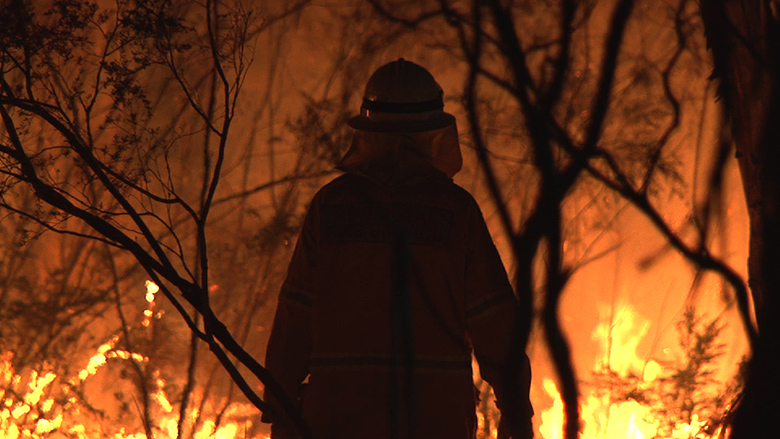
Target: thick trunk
pixel 743 36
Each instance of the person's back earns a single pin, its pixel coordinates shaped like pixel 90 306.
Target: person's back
pixel 393 280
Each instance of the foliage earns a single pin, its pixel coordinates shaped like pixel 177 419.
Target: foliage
pixel 683 391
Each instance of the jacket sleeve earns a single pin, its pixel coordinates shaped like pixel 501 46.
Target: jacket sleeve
pixel 289 346
pixel 494 327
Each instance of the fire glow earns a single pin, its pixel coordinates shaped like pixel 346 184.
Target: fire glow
pixel 38 416
pixel 41 404
pixel 30 411
pixel 610 414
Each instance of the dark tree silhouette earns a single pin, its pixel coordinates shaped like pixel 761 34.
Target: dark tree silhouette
pixel 743 37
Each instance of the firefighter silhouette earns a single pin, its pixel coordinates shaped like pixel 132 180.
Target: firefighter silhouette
pixel 393 283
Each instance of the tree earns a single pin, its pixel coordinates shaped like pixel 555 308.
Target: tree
pixel 681 392
pixel 743 39
pixel 95 151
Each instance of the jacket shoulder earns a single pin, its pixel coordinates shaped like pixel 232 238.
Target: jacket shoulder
pixel 459 196
pixel 438 191
pixel 336 186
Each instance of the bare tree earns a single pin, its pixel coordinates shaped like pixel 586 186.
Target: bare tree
pixel 117 132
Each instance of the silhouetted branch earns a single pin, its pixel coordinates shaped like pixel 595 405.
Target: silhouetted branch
pixel 699 255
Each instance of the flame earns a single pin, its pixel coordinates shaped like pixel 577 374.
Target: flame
pixel 606 417
pixel 37 385
pixel 52 418
pixel 627 419
pixel 481 420
pixel 552 419
pixel 29 411
pixel 619 339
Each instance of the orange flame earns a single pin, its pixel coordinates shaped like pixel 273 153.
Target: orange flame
pixel 28 412
pixel 604 417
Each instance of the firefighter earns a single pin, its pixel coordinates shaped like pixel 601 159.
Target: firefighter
pixel 394 282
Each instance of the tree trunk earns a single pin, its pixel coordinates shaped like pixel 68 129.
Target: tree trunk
pixel 743 37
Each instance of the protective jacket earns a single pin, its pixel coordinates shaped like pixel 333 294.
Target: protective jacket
pixel 393 283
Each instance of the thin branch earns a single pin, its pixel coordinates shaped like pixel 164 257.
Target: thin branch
pixel 473 52
pixel 59 201
pixel 55 229
pixel 410 23
pixel 670 97
pixel 698 255
pixel 270 184
pixel 562 61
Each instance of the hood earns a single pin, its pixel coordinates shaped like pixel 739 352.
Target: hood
pixel 394 158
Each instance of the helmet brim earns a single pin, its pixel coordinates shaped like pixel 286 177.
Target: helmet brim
pixel 364 123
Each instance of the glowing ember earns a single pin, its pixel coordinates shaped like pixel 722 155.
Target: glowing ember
pixel 151 291
pixel 97 360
